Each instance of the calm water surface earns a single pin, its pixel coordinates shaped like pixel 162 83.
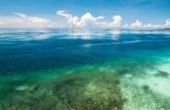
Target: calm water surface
pixel 80 69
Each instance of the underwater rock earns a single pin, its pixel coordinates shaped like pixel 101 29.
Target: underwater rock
pixel 32 88
pixel 162 73
pixel 144 86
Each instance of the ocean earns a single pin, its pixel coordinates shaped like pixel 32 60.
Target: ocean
pixel 84 69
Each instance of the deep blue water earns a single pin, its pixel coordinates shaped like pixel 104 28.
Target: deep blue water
pixel 34 53
pixel 32 49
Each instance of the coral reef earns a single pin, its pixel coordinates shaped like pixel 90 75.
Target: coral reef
pixel 144 86
pixel 84 89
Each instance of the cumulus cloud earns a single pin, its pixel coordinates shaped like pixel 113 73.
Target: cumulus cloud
pixel 167 25
pixel 125 26
pixel 62 13
pixel 153 26
pixel 89 20
pixel 86 20
pixel 136 24
pixel 147 26
pixel 116 21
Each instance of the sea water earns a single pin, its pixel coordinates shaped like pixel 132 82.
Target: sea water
pixel 81 69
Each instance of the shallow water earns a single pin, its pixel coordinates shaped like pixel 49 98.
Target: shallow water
pixel 79 69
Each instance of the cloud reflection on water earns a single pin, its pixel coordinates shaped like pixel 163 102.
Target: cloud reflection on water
pixel 84 34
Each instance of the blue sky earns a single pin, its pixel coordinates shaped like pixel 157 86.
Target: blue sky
pixel 151 13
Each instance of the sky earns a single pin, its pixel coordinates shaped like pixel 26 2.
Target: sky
pixel 118 14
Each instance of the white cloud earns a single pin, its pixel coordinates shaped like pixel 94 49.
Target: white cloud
pixel 12 22
pixel 136 24
pixel 147 26
pixel 116 21
pixel 22 15
pixel 86 20
pixel 167 25
pixel 62 13
pixel 153 26
pixel 24 21
pixel 73 21
pixel 125 26
pixel 100 17
pixel 33 19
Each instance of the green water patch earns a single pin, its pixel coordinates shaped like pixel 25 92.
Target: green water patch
pixel 93 87
pixel 80 89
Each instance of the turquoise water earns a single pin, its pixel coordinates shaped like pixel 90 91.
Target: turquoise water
pixel 81 69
